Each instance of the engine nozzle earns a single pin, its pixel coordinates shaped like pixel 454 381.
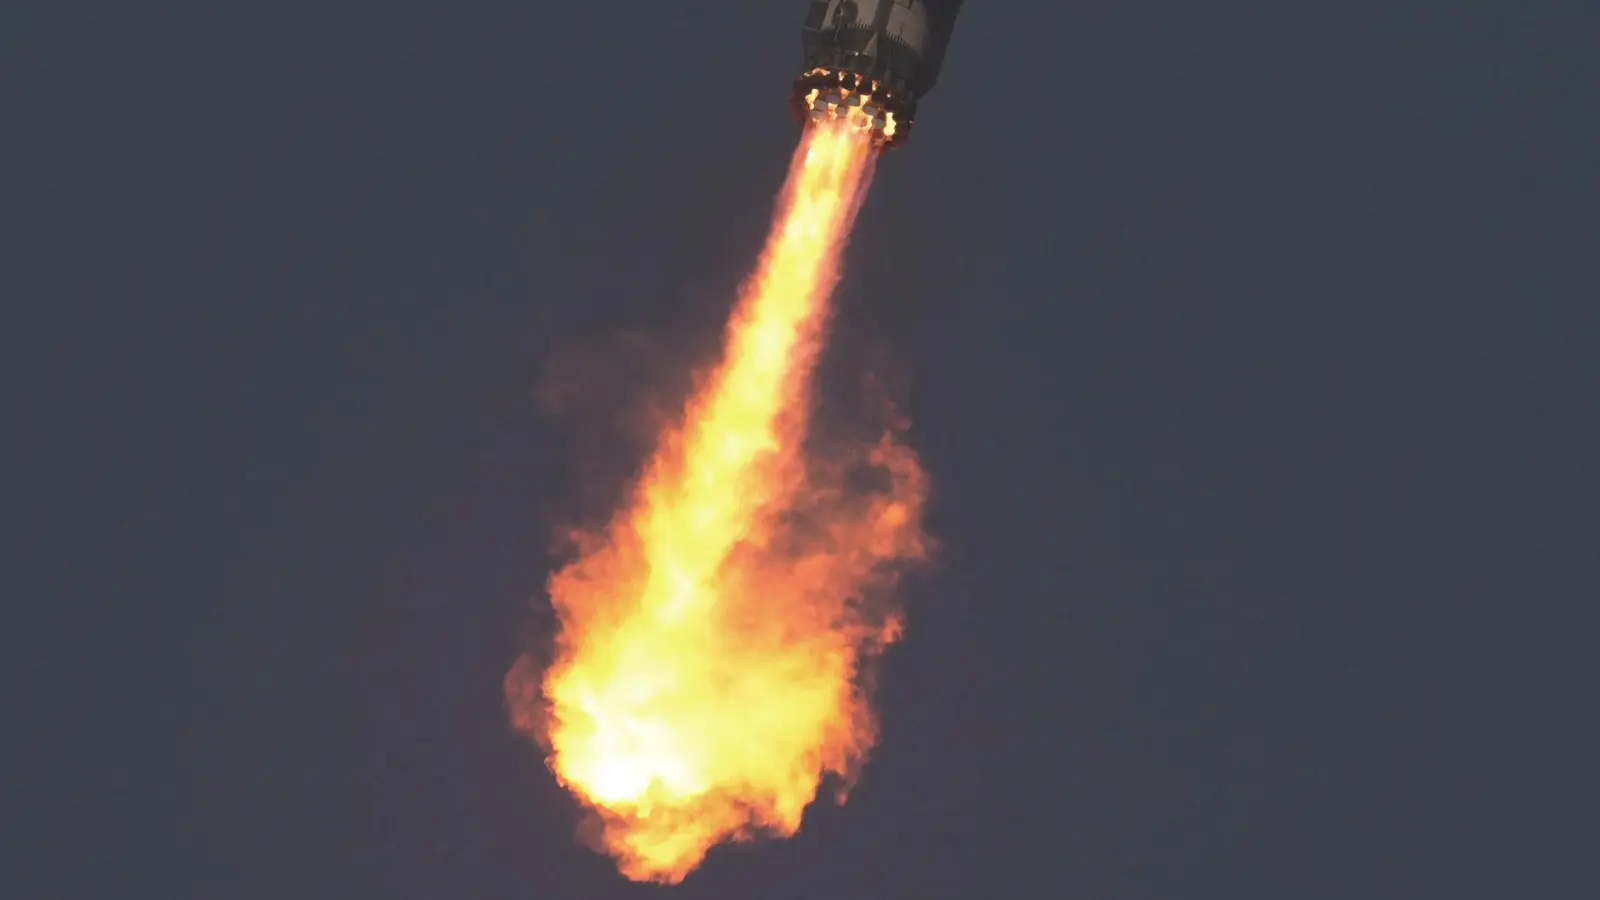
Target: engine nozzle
pixel 826 95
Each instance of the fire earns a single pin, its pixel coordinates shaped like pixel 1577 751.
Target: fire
pixel 708 672
pixel 856 108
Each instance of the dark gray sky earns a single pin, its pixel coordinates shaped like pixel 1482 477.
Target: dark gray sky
pixel 1253 352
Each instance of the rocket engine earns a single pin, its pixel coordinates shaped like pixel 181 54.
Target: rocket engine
pixel 868 62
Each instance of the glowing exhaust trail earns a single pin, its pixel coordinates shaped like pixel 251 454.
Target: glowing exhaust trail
pixel 707 672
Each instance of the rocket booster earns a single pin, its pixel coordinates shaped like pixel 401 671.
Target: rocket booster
pixel 869 61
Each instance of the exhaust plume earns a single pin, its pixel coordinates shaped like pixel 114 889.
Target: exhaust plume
pixel 708 672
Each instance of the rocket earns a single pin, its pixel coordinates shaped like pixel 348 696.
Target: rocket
pixel 868 62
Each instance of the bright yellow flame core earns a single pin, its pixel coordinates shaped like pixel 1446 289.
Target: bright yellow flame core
pixel 708 668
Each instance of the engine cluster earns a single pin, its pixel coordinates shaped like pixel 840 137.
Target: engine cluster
pixel 863 103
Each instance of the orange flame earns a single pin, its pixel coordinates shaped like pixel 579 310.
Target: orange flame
pixel 708 670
